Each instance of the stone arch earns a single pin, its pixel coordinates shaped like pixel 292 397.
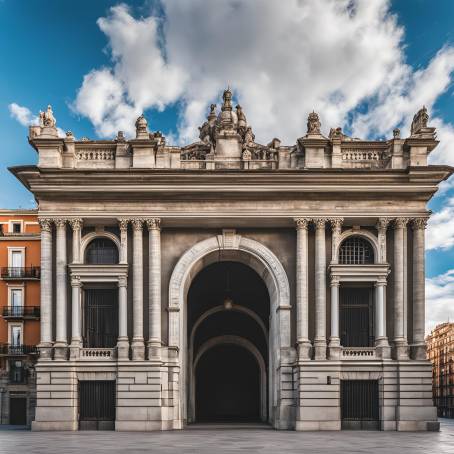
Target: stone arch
pixel 241 342
pixel 89 237
pixel 373 240
pixel 231 247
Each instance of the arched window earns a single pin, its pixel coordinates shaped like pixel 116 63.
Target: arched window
pixel 356 250
pixel 101 251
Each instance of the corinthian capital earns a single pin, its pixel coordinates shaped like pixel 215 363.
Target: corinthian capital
pixel 60 222
pixel 45 224
pixel 336 224
pixel 382 223
pixel 137 224
pixel 401 223
pixel 76 223
pixel 123 223
pixel 419 223
pixel 320 222
pixel 154 224
pixel 302 223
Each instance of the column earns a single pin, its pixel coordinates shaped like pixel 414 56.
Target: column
pixel 302 281
pixel 45 345
pixel 336 226
pixel 76 225
pixel 76 286
pixel 138 347
pixel 400 342
pixel 123 341
pixel 61 341
pixel 123 223
pixel 154 290
pixel 382 226
pixel 334 340
pixel 419 348
pixel 320 290
pixel 381 339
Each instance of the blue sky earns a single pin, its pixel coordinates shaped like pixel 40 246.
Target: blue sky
pixel 172 59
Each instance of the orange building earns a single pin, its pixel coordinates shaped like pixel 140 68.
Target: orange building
pixel 19 314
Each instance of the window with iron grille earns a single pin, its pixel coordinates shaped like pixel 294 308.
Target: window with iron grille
pixel 101 251
pixel 356 250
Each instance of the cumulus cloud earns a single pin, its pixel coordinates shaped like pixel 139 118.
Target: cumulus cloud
pixel 439 299
pixel 329 55
pixel 440 232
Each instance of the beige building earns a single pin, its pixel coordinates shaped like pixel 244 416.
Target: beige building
pixel 440 352
pixel 233 281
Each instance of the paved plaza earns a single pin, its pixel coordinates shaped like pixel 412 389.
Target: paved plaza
pixel 224 440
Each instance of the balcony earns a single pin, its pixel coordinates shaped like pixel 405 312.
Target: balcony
pixel 358 353
pixel 21 312
pixel 17 350
pixel 20 273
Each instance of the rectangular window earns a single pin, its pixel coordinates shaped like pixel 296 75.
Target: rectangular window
pixel 16 301
pixel 17 227
pixel 16 335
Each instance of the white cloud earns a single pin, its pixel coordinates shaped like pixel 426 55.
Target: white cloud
pixel 439 299
pixel 22 114
pixel 440 232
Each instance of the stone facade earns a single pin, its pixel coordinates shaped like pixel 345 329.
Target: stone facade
pixel 284 212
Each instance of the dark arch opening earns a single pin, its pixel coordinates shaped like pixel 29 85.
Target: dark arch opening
pixel 101 251
pixel 356 250
pixel 227 385
pixel 227 378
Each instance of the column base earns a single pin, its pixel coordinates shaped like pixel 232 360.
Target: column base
pixel 304 350
pixel 320 349
pixel 382 348
pixel 334 349
pixel 123 348
pixel 154 351
pixel 401 351
pixel 418 352
pixel 74 349
pixel 60 350
pixel 45 351
pixel 138 350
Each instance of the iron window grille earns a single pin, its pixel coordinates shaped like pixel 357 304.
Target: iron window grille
pixel 101 251
pixel 356 251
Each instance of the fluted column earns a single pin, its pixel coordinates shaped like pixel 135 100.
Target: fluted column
pixel 76 225
pixel 123 341
pixel 419 346
pixel 123 224
pixel 138 347
pixel 320 290
pixel 45 345
pixel 400 341
pixel 61 339
pixel 76 286
pixel 302 298
pixel 154 291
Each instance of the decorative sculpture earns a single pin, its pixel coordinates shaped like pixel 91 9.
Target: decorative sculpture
pixel 313 123
pixel 141 128
pixel 396 133
pixel 419 120
pixel 47 119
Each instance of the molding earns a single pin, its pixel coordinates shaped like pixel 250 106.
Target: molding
pixel 359 273
pixel 98 273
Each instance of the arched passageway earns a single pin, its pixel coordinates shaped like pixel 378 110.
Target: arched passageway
pixel 228 316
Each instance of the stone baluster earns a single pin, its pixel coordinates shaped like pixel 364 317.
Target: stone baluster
pixel 138 346
pixel 320 289
pixel 76 225
pixel 61 339
pixel 123 341
pixel 76 338
pixel 400 341
pixel 154 293
pixel 302 281
pixel 419 346
pixel 45 345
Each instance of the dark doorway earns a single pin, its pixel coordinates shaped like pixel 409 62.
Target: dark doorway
pixel 360 404
pixel 356 317
pixel 228 385
pixel 18 411
pixel 101 318
pixel 97 405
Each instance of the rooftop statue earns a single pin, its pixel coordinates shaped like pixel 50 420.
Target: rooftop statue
pixel 313 123
pixel 47 119
pixel 419 120
pixel 142 128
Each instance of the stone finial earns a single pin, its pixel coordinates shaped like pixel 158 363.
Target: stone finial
pixel 336 133
pixel 313 123
pixel 227 97
pixel 396 133
pixel 142 128
pixel 69 135
pixel 241 117
pixel 212 115
pixel 419 121
pixel 120 136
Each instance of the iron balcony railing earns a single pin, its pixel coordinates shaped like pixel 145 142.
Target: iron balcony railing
pixel 32 272
pixel 21 312
pixel 17 350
